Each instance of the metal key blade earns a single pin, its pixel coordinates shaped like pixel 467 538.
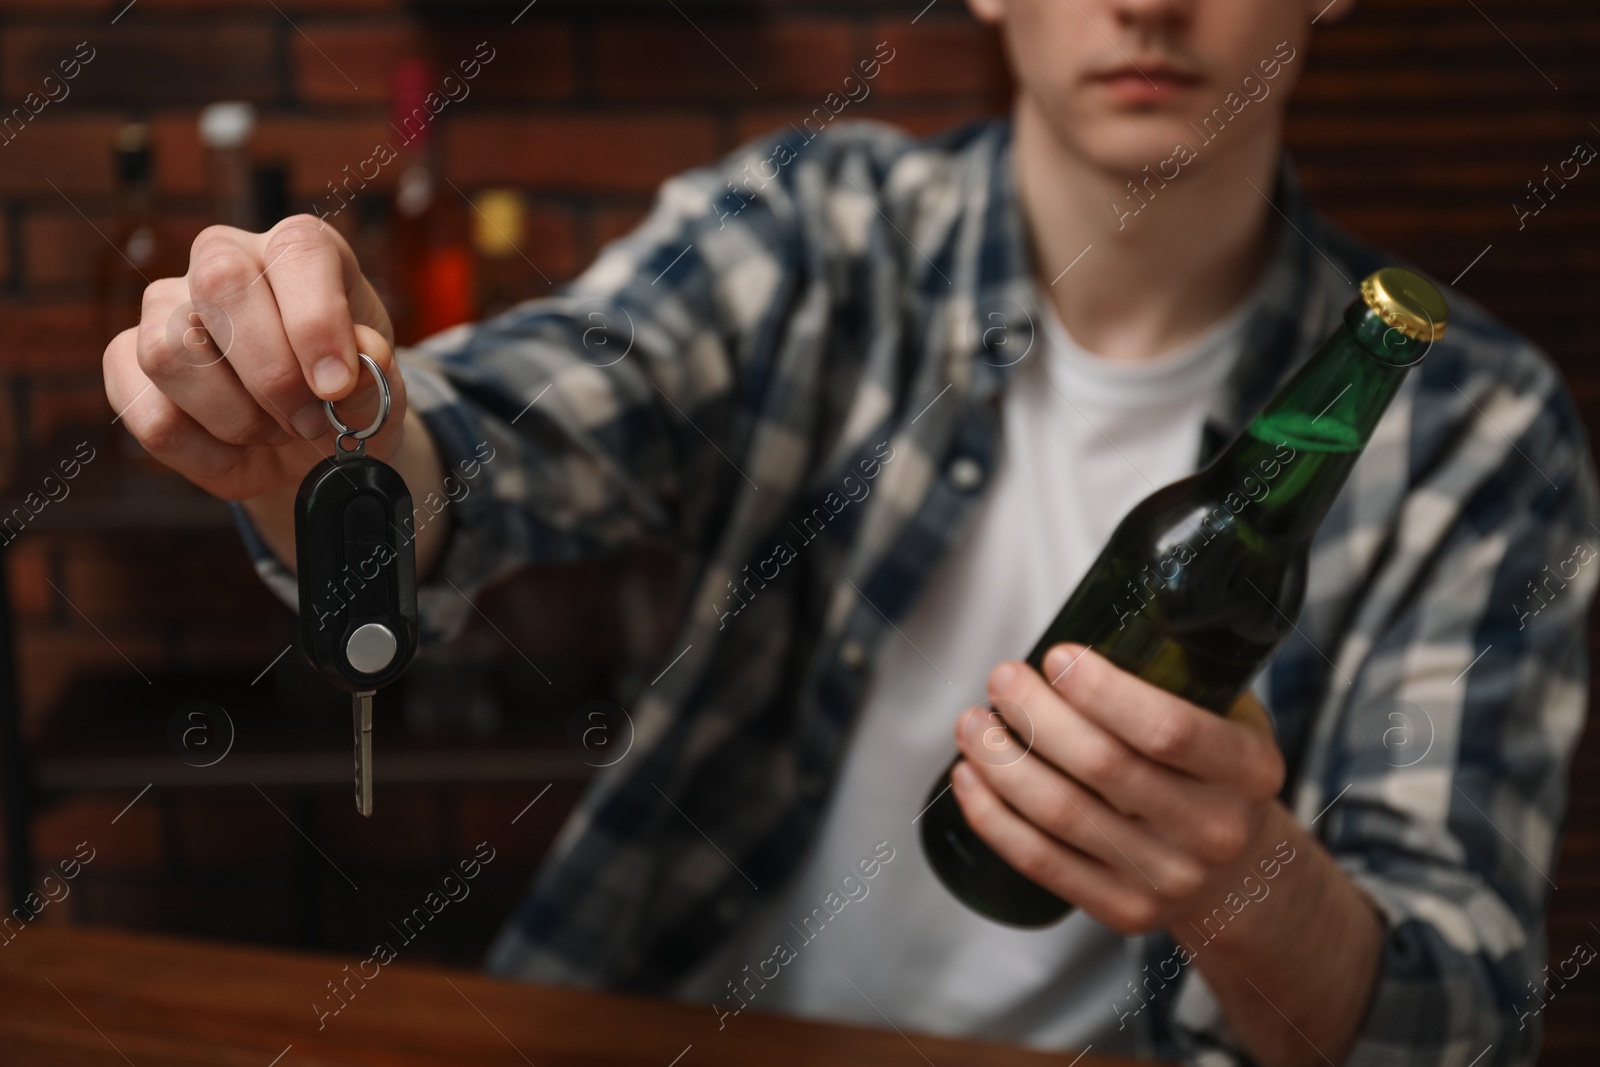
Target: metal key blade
pixel 361 708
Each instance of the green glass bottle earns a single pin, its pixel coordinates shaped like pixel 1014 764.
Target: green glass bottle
pixel 1201 581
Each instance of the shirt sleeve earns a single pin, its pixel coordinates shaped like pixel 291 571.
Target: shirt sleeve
pixel 1458 687
pixel 610 412
pixel 1464 717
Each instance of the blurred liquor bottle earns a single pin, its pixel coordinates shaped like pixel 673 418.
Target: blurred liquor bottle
pixel 140 251
pixel 225 128
pixel 496 237
pixel 429 230
pixel 373 243
pixel 270 182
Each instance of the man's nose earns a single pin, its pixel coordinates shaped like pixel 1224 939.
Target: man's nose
pixel 1151 15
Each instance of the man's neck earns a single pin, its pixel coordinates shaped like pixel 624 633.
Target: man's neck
pixel 1151 281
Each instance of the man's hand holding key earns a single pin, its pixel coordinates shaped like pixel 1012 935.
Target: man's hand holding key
pixel 228 378
pixel 224 377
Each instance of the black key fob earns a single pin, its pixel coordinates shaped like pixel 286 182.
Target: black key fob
pixel 357 569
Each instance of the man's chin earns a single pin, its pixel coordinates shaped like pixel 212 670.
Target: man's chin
pixel 1126 144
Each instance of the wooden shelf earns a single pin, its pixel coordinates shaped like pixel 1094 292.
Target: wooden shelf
pixel 112 732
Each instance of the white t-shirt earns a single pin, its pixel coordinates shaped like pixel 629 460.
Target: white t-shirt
pixel 1084 440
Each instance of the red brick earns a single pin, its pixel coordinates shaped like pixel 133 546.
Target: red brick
pixel 67 910
pixel 609 153
pixel 528 63
pixel 145 63
pixel 75 154
pixel 61 403
pixel 179 157
pixel 552 242
pixel 27 568
pixel 317 151
pixel 48 659
pixel 131 844
pixel 61 247
pixel 49 337
pixel 940 58
pixel 532 62
pixel 148 580
pixel 352 64
pixel 64 248
pixel 179 231
pixel 611 223
pixel 649 60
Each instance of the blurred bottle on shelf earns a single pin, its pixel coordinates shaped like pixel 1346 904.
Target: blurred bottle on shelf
pixel 372 243
pixel 225 129
pixel 139 250
pixel 433 273
pixel 496 238
pixel 270 182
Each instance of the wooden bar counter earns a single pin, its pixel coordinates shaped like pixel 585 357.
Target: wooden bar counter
pixel 72 997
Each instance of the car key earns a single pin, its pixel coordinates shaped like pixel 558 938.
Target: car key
pixel 357 574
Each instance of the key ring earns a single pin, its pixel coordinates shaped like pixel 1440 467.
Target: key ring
pixel 360 436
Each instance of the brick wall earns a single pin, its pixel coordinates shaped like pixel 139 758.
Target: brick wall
pixel 1417 125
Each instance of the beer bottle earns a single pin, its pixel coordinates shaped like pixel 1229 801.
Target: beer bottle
pixel 1201 582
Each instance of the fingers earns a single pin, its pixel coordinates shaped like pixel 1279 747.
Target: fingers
pixel 1075 816
pixel 1164 727
pixel 165 430
pixel 1083 749
pixel 227 282
pixel 176 353
pixel 1211 820
pixel 1111 792
pixel 1067 873
pixel 306 268
pixel 232 364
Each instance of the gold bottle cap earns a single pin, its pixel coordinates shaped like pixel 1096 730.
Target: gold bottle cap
pixel 1408 302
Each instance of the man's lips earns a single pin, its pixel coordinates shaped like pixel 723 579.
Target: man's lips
pixel 1150 83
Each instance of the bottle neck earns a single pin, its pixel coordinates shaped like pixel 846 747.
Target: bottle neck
pixel 135 203
pixel 1293 458
pixel 231 192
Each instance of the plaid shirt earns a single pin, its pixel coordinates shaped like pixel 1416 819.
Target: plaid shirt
pixel 804 310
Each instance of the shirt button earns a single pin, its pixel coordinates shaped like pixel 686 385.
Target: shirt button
pixel 852 653
pixel 966 474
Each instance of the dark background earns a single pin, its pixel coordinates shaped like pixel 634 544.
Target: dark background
pixel 1417 124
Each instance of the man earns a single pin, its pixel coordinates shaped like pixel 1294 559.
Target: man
pixel 888 398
